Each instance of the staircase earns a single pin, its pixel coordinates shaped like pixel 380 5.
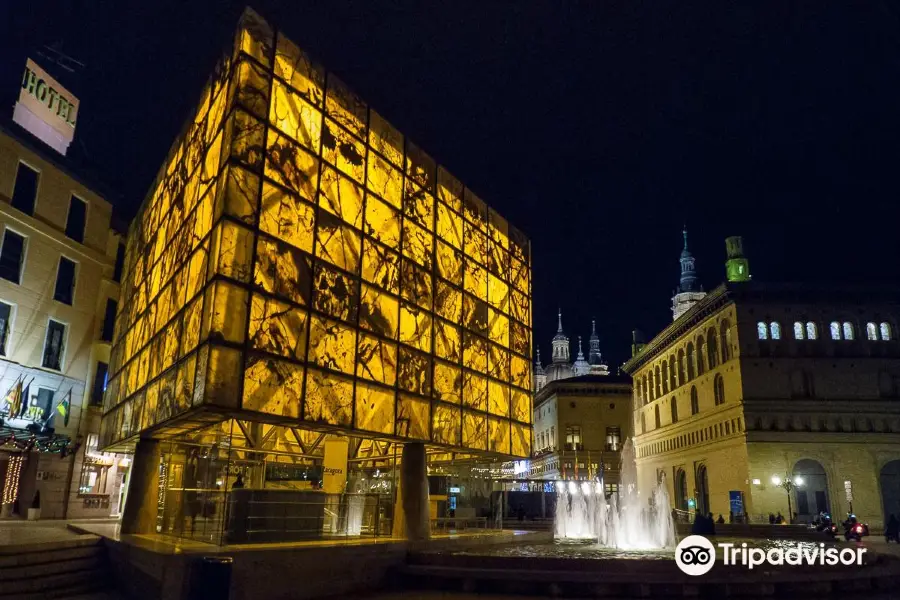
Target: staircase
pixel 74 568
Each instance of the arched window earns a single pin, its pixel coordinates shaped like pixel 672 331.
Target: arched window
pixel 695 402
pixel 638 394
pixel 848 330
pixel 798 330
pixel 643 424
pixel 719 389
pixel 725 341
pixel 700 366
pixel 775 330
pixel 885 332
pixel 657 382
pixel 871 332
pixel 681 379
pixel 712 349
pixel 646 390
pixel 673 383
pixel 812 332
pixel 762 332
pixel 656 416
pixel 665 377
pixel 690 360
pixel 835 330
pixel 674 409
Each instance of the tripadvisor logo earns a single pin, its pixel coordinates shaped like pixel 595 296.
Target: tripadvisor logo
pixel 696 555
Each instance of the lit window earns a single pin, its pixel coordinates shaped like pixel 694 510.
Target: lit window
pixel 775 328
pixel 695 402
pixel 798 330
pixel 886 332
pixel 812 332
pixel 12 254
pixel 835 330
pixel 762 332
pixel 871 332
pixel 613 438
pixel 848 330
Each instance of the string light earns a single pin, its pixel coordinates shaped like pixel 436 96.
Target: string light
pixel 11 488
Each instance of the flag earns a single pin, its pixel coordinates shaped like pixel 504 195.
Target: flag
pixel 64 407
pixel 14 398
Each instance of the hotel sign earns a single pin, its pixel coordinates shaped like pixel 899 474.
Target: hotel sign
pixel 45 108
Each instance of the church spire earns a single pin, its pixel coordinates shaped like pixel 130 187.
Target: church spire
pixel 581 366
pixel 560 344
pixel 688 270
pixel 594 345
pixel 689 291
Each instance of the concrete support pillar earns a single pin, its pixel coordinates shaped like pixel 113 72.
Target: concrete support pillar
pixel 139 515
pixel 414 492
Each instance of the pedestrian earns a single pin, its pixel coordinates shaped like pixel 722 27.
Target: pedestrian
pixel 771 519
pixel 720 520
pixel 892 530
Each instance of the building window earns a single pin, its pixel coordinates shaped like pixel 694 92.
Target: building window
pixel 695 402
pixel 775 330
pixel 885 332
pixel 719 389
pixel 700 367
pixel 100 381
pixel 12 255
pixel 552 436
pixel 5 325
pixel 835 330
pixel 120 262
pixel 812 332
pixel 848 330
pixel 573 437
pixel 681 378
pixel 665 377
pixel 712 350
pixel 25 190
pixel 674 410
pixel 657 382
pixel 798 330
pixel 725 341
pixel 762 332
pixel 656 417
pixel 643 423
pixel 690 360
pixel 54 346
pixel 65 281
pixel 672 381
pixel 871 332
pixel 109 320
pixel 613 439
pixel 76 218
pixel 39 405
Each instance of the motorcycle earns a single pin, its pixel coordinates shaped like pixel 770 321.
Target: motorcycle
pixel 854 530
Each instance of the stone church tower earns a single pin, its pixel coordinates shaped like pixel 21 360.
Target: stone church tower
pixel 689 290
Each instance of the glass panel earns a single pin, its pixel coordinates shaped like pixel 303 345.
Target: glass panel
pixel 329 398
pixel 344 151
pixel 282 270
pixel 338 243
pixel 835 330
pixel 886 332
pixel 446 424
pixel 382 222
pixel 294 66
pixel 871 332
pixel 447 382
pixel 374 408
pixel 331 345
pixel 291 166
pixel 848 331
pixel 377 360
pixel 415 327
pixel 811 331
pixel 295 117
pixel 413 417
pixel 277 327
pixel 762 332
pixel 798 330
pixel 379 312
pixel 272 386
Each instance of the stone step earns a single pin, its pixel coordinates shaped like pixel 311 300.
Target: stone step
pixel 55 585
pixel 53 555
pixel 97 590
pixel 78 541
pixel 10 575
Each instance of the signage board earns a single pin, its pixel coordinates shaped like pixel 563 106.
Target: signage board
pixel 454 490
pixel 334 466
pixel 848 490
pixel 46 109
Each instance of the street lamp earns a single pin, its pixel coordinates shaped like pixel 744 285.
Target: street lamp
pixel 788 484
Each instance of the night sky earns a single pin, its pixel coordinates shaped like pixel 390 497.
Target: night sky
pixel 598 128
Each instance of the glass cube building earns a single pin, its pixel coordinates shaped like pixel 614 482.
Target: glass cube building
pixel 300 267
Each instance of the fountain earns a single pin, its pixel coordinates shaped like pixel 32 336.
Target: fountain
pixel 628 521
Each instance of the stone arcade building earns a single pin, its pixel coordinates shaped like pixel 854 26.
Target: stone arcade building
pixel 757 381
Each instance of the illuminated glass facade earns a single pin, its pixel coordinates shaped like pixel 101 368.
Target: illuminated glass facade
pixel 299 262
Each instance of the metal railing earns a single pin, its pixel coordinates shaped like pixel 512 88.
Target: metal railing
pixel 450 524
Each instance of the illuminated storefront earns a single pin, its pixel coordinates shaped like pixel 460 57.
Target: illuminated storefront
pixel 301 274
